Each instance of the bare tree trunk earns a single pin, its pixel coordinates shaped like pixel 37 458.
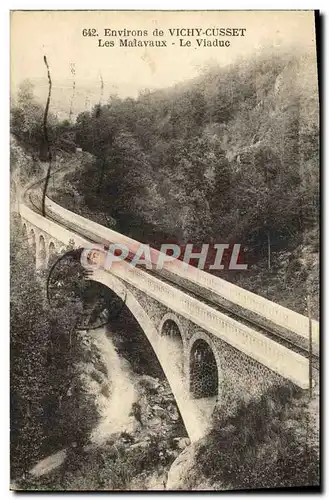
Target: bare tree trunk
pixel 45 133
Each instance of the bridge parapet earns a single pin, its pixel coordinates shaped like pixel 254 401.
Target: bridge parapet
pixel 260 305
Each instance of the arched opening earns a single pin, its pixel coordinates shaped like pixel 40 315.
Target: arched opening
pixel 32 239
pixel 42 251
pixel 52 251
pixel 24 232
pixel 32 243
pixel 203 370
pixel 172 338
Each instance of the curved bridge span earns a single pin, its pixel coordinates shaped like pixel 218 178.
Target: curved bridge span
pixel 208 334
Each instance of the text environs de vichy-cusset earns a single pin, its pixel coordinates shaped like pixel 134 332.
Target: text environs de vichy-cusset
pixel 184 37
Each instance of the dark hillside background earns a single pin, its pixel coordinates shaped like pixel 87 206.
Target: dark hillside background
pixel 232 156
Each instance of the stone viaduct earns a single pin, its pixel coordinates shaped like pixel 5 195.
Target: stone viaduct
pixel 202 351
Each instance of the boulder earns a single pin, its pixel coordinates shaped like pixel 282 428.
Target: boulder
pixel 140 444
pixel 181 469
pixel 182 442
pixel 184 473
pixel 150 383
pixel 173 413
pixel 159 412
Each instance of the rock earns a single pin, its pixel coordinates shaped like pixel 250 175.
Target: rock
pixel 185 475
pixel 105 390
pixel 140 444
pixel 155 423
pixel 180 469
pixel 173 453
pixel 182 443
pixel 173 413
pixel 159 412
pixel 157 407
pixel 150 383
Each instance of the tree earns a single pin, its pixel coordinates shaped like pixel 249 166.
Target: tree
pixel 268 441
pixel 26 117
pixel 49 405
pixel 30 342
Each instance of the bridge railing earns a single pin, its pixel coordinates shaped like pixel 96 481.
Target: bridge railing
pixel 275 313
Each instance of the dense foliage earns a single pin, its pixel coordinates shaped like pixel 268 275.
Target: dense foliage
pixel 231 156
pixel 268 442
pixel 49 407
pixel 27 117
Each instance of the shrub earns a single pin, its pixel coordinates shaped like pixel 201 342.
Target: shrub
pixel 267 442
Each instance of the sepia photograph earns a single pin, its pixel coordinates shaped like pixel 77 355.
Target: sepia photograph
pixel 164 250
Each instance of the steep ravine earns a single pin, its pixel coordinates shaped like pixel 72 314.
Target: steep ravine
pixel 139 428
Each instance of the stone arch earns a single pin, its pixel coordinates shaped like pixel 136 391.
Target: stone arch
pixel 173 340
pixel 204 367
pixel 172 317
pixel 42 255
pixel 33 244
pixel 24 232
pixel 171 329
pixel 32 239
pixel 51 250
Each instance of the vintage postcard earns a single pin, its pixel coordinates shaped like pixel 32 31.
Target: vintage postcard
pixel 164 182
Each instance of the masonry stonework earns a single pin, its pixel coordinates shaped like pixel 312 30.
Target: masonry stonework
pixel 236 370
